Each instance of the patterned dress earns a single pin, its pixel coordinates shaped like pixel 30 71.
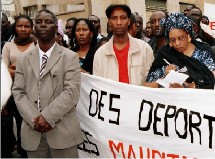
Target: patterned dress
pixel 202 56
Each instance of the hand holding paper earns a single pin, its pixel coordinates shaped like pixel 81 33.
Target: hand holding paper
pixel 172 77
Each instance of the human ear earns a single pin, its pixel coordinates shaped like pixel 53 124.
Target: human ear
pixel 189 38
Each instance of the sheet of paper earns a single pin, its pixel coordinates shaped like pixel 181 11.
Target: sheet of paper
pixel 172 77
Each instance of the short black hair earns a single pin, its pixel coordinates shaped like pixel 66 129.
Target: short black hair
pixel 24 16
pixel 17 18
pixel 5 16
pixel 133 21
pixel 54 18
pixel 94 16
pixel 74 43
pixel 111 7
pixel 166 14
pixel 198 9
pixel 206 17
pixel 72 18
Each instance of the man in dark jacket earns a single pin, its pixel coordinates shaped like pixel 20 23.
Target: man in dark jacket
pixel 6 34
pixel 158 40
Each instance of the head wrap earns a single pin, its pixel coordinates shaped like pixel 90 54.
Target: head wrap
pixel 60 27
pixel 177 21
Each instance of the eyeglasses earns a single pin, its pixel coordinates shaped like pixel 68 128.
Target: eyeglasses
pixel 180 39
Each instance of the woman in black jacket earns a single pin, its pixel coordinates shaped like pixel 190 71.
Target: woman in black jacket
pixel 84 42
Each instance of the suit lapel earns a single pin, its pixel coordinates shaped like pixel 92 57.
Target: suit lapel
pixel 34 61
pixel 55 55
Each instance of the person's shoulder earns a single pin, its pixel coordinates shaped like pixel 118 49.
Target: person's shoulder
pixel 136 40
pixel 67 53
pixel 9 44
pixel 145 39
pixel 142 43
pixel 63 50
pixel 151 41
pixel 201 45
pixel 103 49
pixel 29 53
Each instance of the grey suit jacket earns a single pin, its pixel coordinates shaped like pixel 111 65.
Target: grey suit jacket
pixel 59 94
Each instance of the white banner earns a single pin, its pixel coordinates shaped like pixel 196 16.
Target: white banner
pixel 126 121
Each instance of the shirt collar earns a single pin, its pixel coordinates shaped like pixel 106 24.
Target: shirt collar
pixel 133 46
pixel 48 53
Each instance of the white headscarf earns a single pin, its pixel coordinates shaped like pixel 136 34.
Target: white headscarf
pixel 60 27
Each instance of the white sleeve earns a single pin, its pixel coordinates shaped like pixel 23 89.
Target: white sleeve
pixel 6 83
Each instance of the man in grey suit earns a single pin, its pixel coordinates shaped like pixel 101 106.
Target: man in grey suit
pixel 46 91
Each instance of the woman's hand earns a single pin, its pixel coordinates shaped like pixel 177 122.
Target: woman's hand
pixel 12 70
pixel 190 85
pixel 169 68
pixel 185 85
pixel 175 85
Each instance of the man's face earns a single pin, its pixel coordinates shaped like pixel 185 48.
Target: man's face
pixel 119 22
pixel 95 21
pixel 148 30
pixel 45 27
pixel 196 13
pixel 4 24
pixel 187 9
pixel 157 30
pixel 68 28
pixel 139 20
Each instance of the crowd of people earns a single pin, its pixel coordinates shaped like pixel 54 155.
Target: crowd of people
pixel 45 62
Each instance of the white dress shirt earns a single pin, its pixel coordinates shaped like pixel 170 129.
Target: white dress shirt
pixel 48 53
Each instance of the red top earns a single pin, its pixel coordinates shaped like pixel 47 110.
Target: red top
pixel 122 58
